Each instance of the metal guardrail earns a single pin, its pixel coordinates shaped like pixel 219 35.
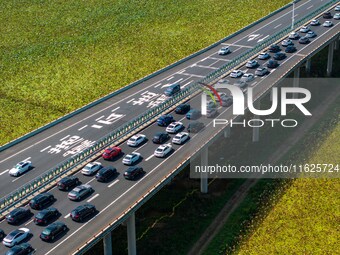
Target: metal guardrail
pixel 51 175
pixel 96 102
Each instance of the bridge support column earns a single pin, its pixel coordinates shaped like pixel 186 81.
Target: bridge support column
pixel 296 80
pixel 308 65
pixel 256 128
pixel 131 235
pixel 336 44
pixel 204 176
pixel 227 132
pixel 107 244
pixel 330 58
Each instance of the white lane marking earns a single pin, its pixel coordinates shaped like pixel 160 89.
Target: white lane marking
pixel 130 100
pixel 96 126
pixel 46 148
pixel 149 157
pixel 82 127
pixel 296 15
pixel 113 183
pixel 135 93
pixel 195 75
pixel 170 78
pixel 182 71
pixel 100 117
pixel 17 178
pixel 158 85
pixel 204 58
pixel 310 7
pixel 27 159
pixel 90 180
pixel 92 198
pixel 2 221
pixel 220 59
pixel 67 215
pixel 4 172
pixel 64 137
pixel 209 67
pixel 237 45
pixel 186 84
pixel 140 147
pixel 145 92
pixel 260 40
pixel 253 83
pixel 115 109
pixel 272 70
pixel 178 80
pixel 28 222
pixel 277 26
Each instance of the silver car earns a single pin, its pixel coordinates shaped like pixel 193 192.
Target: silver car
pixel 180 138
pixel 264 56
pixel 163 150
pixel 16 236
pixel 261 71
pixel 136 140
pixel 91 168
pixel 236 73
pixel 247 77
pixel 174 127
pixel 327 23
pixel 20 168
pixel 287 42
pixel 294 35
pixel 131 158
pixel 79 192
pixel 304 29
pixel 252 63
pixel 224 51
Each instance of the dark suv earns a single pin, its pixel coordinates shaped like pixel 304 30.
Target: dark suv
pixel 42 200
pixel 132 172
pixel 165 120
pixel 274 48
pixel 172 89
pixel 17 215
pixel 327 15
pixel 82 212
pixel 46 215
pixel 68 183
pixel 182 108
pixel 106 173
pixel 53 230
pixel 160 137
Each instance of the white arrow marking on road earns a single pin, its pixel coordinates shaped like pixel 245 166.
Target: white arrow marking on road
pixel 263 38
pixel 252 37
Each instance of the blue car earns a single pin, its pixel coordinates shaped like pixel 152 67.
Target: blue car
pixel 172 90
pixel 165 120
pixel 193 114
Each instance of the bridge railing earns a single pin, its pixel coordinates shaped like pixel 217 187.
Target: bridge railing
pixel 66 167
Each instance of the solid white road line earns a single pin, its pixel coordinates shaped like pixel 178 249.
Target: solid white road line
pixel 100 117
pixel 170 78
pixel 158 85
pixel 27 159
pixel 130 100
pixel 46 148
pixel 310 7
pixel 64 137
pixel 4 172
pixel 140 147
pixel 186 84
pixel 82 127
pixel 96 126
pixel 92 198
pixel 66 216
pixel 115 109
pixel 90 180
pixel 113 183
pixel 28 222
pixel 17 178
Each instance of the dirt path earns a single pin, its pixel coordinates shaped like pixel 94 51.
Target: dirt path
pixel 240 194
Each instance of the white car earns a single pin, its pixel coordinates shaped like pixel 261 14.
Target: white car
pixel 180 138
pixel 131 158
pixel 224 51
pixel 294 35
pixel 163 150
pixel 20 168
pixel 136 140
pixel 315 22
pixel 91 168
pixel 287 42
pixel 336 15
pixel 16 236
pixel 247 77
pixel 263 56
pixel 337 8
pixel 304 29
pixel 327 23
pixel 252 63
pixel 174 127
pixel 236 73
pixel 223 81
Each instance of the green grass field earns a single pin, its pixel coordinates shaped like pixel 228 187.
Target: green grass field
pixel 56 56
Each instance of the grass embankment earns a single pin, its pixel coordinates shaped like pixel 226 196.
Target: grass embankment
pixel 290 217
pixel 56 56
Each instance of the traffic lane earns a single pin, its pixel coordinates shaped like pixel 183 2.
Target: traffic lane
pixel 23 180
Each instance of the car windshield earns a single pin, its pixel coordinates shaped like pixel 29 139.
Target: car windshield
pixel 47 231
pixel 40 215
pixel 88 167
pixel 13 234
pixel 129 156
pixel 159 150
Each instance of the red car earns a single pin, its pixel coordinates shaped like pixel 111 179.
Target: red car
pixel 110 153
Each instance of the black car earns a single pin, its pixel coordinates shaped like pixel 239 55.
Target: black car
pixel 106 173
pixel 165 120
pixel 272 64
pixel 21 249
pixel 193 114
pixel 132 172
pixel 52 231
pixel 327 15
pixel 68 183
pixel 274 48
pixel 195 127
pixel 182 108
pixel 172 89
pixel 160 137
pixel 226 101
pixel 42 200
pixel 2 234
pixel 17 215
pixel 304 40
pixel 45 216
pixel 279 56
pixel 82 212
pixel 290 49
